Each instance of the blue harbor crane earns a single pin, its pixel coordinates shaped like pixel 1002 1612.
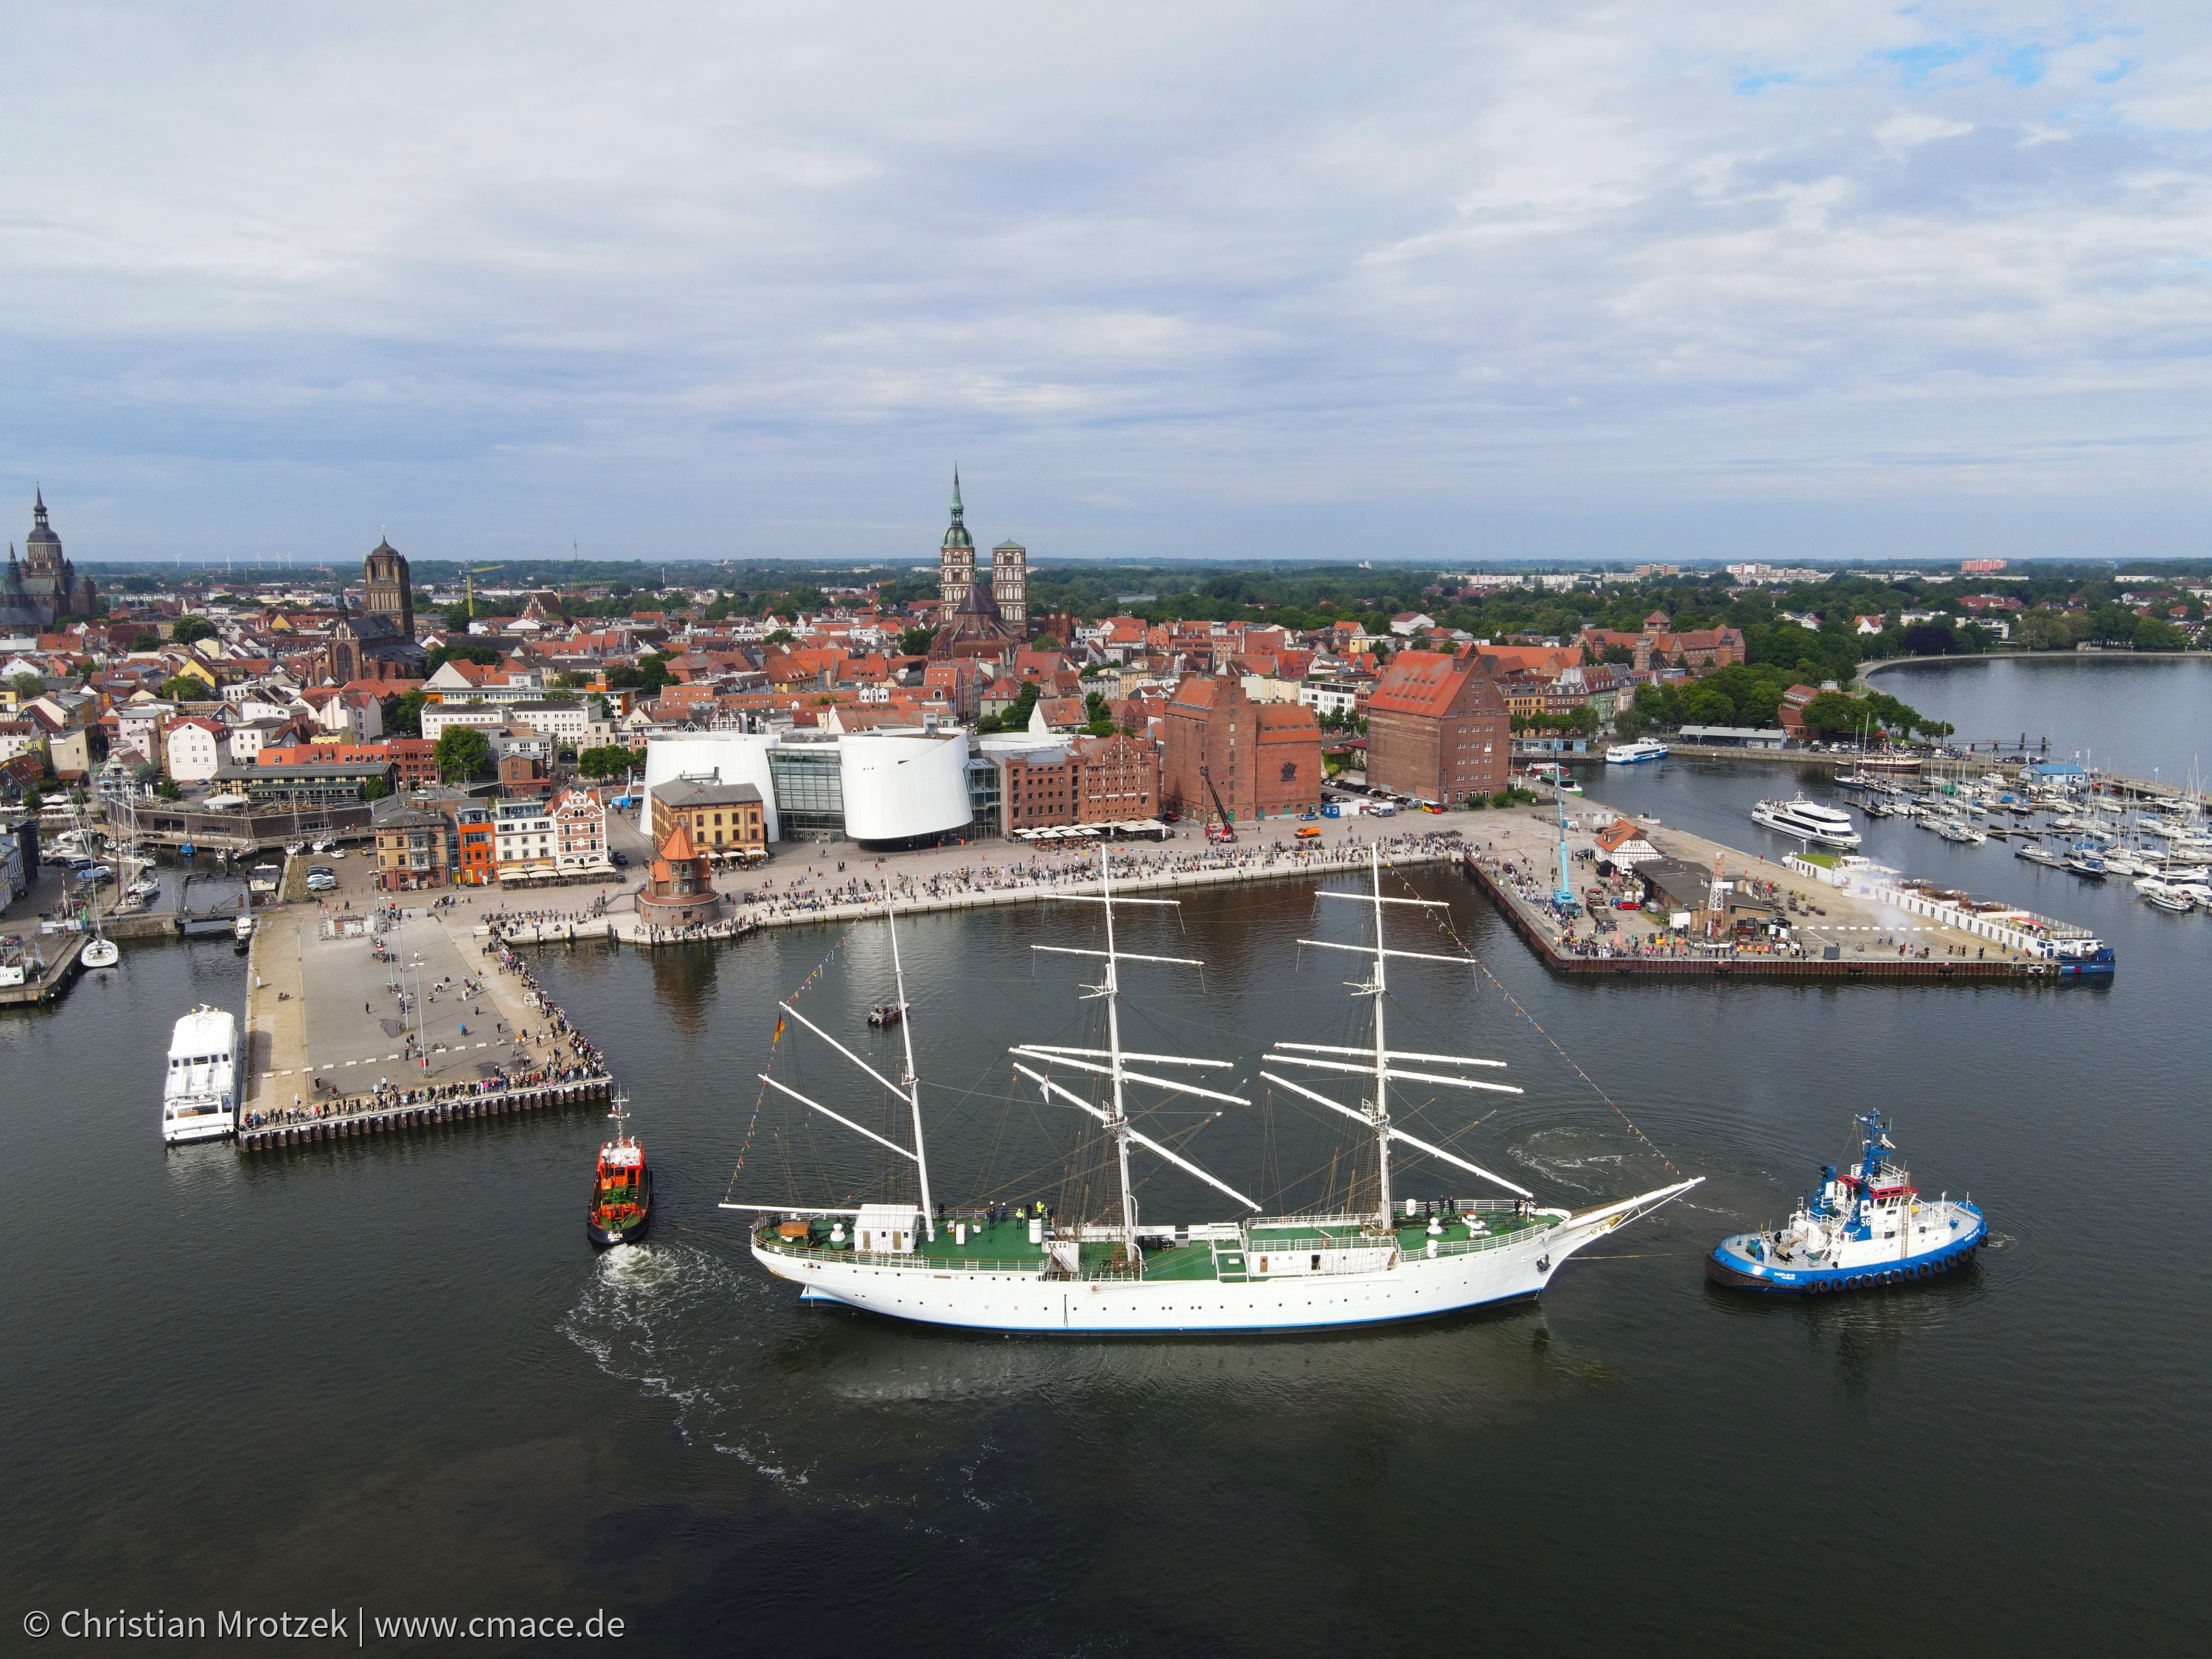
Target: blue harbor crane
pixel 1563 895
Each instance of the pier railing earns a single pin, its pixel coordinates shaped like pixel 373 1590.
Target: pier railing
pixel 1033 1266
pixel 408 1108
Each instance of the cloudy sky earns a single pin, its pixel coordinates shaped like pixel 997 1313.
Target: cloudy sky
pixel 1468 283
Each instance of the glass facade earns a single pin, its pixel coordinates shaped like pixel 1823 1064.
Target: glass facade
pixel 810 791
pixel 985 786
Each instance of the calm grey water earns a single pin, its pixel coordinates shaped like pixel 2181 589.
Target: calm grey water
pixel 394 1374
pixel 2125 713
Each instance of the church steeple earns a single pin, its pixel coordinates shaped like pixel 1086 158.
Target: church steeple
pixel 956 555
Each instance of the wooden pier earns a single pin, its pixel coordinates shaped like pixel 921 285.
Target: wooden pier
pixel 351 1119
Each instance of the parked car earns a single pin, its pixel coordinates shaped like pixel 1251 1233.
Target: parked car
pixel 621 860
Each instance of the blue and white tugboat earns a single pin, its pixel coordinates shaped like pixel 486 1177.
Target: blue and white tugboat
pixel 1865 1228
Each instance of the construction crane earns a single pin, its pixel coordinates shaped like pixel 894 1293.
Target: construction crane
pixel 469 575
pixel 1223 828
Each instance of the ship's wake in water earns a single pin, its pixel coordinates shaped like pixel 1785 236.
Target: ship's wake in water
pixel 1578 1165
pixel 680 1324
pixel 819 1402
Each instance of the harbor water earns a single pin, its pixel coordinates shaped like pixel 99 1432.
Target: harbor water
pixel 392 1374
pixel 2124 712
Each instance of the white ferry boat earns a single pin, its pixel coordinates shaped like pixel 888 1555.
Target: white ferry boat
pixel 1627 754
pixel 199 1101
pixel 1016 1269
pixel 1806 820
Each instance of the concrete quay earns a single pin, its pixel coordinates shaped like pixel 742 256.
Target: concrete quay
pixel 332 990
pixel 349 1119
pixel 1021 876
pixel 61 970
pixel 1515 863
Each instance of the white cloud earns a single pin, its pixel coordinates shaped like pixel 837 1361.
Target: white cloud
pixel 1910 128
pixel 1584 273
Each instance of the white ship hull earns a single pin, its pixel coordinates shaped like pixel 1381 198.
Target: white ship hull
pixel 1414 1287
pixel 1829 830
pixel 215 1126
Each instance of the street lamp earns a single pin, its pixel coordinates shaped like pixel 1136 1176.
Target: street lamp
pixel 421 1046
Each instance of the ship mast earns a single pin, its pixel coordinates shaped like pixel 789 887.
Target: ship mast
pixel 1379 1064
pixel 911 1080
pixel 1116 1071
pixel 909 1089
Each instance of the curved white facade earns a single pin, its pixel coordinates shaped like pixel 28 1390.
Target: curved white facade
pixel 900 785
pixel 736 757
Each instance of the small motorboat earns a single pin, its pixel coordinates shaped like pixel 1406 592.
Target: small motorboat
pixel 2164 897
pixel 886 1013
pixel 1862 1230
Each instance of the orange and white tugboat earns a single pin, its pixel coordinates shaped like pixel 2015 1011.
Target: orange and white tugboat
pixel 621 1188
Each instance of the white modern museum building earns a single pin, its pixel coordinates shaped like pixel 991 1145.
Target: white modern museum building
pixel 902 786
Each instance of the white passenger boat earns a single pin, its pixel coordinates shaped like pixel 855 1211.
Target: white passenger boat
pixel 199 1099
pixel 1808 820
pixel 1030 1270
pixel 1627 754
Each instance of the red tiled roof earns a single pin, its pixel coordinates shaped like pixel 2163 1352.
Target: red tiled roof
pixel 1422 682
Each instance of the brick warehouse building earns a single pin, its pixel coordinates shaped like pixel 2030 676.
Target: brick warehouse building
pixel 1114 780
pixel 1437 729
pixel 1265 757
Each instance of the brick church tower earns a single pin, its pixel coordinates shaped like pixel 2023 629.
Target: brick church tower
pixel 387 588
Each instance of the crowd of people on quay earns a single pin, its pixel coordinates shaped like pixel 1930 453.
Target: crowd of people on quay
pixel 805 894
pixel 570 1054
pixel 388 1096
pixel 1787 932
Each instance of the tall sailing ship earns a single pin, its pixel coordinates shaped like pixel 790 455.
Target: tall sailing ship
pixel 1030 1271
